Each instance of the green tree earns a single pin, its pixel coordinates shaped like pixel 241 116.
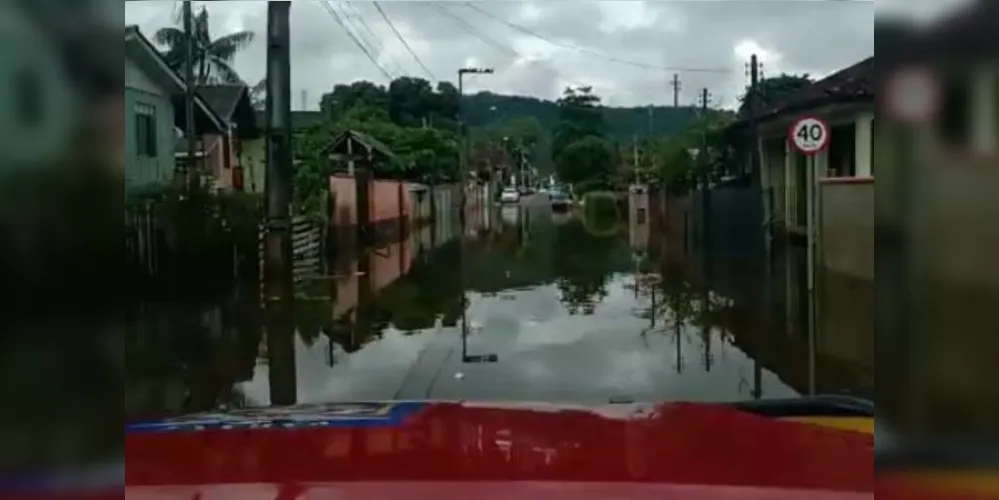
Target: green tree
pixel 587 163
pixel 213 58
pixel 677 159
pixel 580 116
pixel 525 131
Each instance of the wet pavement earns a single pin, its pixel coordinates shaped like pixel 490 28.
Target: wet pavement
pixel 561 308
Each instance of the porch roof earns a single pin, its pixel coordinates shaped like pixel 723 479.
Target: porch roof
pixel 370 145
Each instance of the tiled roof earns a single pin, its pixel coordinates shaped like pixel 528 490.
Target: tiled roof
pixel 855 83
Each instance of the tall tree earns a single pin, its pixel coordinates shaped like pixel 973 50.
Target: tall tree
pixel 580 116
pixel 213 58
pixel 587 163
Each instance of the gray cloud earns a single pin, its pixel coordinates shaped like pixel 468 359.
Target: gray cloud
pixel 814 36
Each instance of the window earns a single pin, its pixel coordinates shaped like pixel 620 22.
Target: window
pixel 145 130
pixel 843 151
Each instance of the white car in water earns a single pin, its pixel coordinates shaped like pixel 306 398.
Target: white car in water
pixel 510 195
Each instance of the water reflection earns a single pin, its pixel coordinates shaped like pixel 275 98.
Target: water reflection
pixel 566 310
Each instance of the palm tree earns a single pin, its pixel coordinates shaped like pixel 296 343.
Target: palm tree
pixel 212 58
pixel 258 94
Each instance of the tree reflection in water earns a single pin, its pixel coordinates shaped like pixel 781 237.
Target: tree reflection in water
pixel 584 263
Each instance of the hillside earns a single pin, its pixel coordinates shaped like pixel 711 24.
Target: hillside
pixel 623 123
pixel 412 101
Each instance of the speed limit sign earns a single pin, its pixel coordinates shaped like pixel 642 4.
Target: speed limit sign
pixel 809 135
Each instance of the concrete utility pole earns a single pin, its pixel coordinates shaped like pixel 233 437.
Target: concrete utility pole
pixel 187 171
pixel 465 152
pixel 652 120
pixel 278 252
pixel 675 84
pixel 752 108
pixel 635 163
pixel 704 165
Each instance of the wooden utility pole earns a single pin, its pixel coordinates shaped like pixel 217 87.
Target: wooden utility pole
pixel 675 84
pixel 278 252
pixel 187 171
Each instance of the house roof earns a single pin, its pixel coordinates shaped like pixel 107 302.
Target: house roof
pixel 222 98
pixel 853 84
pixel 232 103
pixel 143 53
pixel 372 145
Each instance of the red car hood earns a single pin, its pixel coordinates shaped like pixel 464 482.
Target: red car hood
pixel 379 450
pixel 479 491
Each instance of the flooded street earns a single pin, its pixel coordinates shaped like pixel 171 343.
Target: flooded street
pixel 560 308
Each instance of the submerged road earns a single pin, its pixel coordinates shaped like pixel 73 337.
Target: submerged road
pixel 558 310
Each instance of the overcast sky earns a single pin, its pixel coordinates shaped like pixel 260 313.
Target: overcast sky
pixel 796 36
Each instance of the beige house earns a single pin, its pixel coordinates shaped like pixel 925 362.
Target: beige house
pixel 845 101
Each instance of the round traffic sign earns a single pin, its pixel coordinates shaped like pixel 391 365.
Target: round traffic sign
pixel 809 135
pixel 912 96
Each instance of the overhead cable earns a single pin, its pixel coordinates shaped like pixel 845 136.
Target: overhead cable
pixel 584 50
pixel 402 39
pixel 352 14
pixel 339 20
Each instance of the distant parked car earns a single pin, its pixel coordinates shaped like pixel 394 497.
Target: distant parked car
pixel 559 200
pixel 510 195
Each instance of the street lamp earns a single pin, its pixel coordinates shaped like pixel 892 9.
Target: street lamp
pixel 461 123
pixel 462 216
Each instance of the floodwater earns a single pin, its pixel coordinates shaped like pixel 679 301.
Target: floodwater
pixel 559 308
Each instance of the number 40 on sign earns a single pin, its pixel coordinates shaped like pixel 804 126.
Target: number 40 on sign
pixel 809 135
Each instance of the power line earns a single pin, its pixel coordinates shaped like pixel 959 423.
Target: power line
pixel 351 14
pixel 476 33
pixel 373 40
pixel 585 50
pixel 340 21
pixel 506 49
pixel 404 42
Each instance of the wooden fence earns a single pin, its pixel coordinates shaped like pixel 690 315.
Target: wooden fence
pixel 142 238
pixel 307 251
